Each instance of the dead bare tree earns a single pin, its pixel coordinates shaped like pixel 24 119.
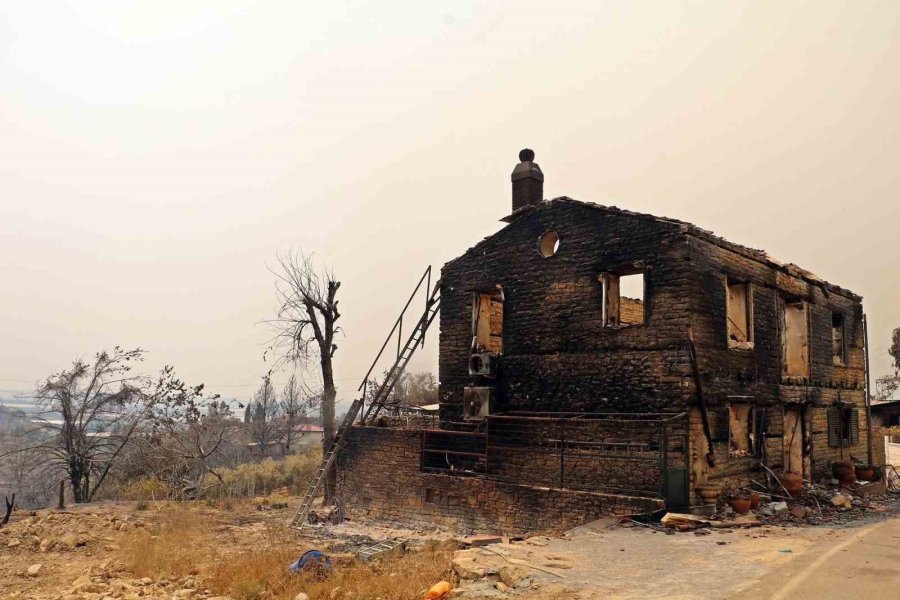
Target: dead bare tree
pixel 296 401
pixel 181 445
pixel 88 414
pixel 305 326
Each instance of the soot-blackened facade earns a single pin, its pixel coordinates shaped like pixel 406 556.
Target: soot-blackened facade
pixel 619 356
pixel 779 352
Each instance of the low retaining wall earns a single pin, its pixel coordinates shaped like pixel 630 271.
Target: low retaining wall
pixel 379 479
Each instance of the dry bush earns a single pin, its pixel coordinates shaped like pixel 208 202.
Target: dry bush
pixel 259 479
pixel 143 490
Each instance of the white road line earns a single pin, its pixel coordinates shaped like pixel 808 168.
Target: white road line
pixel 800 577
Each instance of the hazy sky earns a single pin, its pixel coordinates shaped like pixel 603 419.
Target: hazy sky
pixel 154 156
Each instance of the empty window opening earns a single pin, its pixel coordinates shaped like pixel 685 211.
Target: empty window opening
pixel 843 426
pixel 487 321
pixel 838 346
pixel 548 244
pixel 740 315
pixel 796 340
pixel 740 430
pixel 623 299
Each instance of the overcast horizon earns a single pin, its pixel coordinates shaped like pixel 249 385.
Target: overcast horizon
pixel 157 156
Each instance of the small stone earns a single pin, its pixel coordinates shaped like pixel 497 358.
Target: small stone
pixel 301 596
pixel 511 575
pixel 840 500
pixel 13 543
pixel 34 570
pixel 501 587
pixel 779 508
pixel 799 512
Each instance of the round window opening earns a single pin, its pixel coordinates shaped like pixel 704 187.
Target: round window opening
pixel 548 244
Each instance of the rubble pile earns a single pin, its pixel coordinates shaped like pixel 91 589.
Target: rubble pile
pixel 65 532
pixel 497 569
pixel 108 580
pixel 814 504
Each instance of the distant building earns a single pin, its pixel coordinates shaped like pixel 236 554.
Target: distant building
pixel 886 422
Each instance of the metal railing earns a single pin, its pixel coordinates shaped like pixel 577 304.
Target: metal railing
pixel 404 352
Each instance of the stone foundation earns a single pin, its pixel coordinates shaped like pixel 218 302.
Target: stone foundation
pixel 380 480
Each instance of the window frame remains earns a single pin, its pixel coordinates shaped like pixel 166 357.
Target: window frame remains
pixel 838 339
pixel 611 299
pixel 843 426
pixel 739 295
pixel 487 335
pixel 799 368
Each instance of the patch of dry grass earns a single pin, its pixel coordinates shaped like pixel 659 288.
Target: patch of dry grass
pixel 175 547
pixel 185 542
pixel 263 573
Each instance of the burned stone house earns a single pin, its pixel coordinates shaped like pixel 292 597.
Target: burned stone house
pixel 597 360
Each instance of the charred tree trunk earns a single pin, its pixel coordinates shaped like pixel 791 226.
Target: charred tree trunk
pixel 328 397
pixel 9 508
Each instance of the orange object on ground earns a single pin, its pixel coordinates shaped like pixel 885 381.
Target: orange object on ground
pixel 439 591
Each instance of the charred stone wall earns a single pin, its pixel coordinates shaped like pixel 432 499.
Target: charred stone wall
pixel 557 355
pixel 756 374
pixel 379 479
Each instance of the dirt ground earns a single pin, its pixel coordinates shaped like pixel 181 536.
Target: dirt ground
pixel 116 551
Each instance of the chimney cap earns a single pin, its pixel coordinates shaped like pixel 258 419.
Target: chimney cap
pixel 526 155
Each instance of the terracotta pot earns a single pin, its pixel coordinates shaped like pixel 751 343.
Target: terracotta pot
pixel 843 472
pixel 865 472
pixel 740 506
pixel 792 482
pixel 709 493
pixel 754 500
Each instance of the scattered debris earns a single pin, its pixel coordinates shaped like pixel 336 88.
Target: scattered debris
pixel 840 500
pixel 475 541
pixel 799 512
pixel 439 591
pixel 382 550
pixel 315 562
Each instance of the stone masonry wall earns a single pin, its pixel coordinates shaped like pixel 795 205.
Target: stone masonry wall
pixel 379 479
pixel 557 356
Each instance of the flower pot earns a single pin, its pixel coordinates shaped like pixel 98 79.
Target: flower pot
pixel 843 472
pixel 792 482
pixel 709 493
pixel 740 506
pixel 865 473
pixel 754 500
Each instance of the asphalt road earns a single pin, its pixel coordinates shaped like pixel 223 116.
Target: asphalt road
pixel 862 564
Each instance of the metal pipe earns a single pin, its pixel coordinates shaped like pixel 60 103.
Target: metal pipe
pixel 869 448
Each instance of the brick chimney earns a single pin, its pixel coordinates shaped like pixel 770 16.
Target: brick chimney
pixel 527 181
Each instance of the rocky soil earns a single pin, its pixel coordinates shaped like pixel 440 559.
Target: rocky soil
pixel 76 555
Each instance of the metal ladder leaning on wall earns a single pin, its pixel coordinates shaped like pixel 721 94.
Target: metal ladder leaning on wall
pixel 380 399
